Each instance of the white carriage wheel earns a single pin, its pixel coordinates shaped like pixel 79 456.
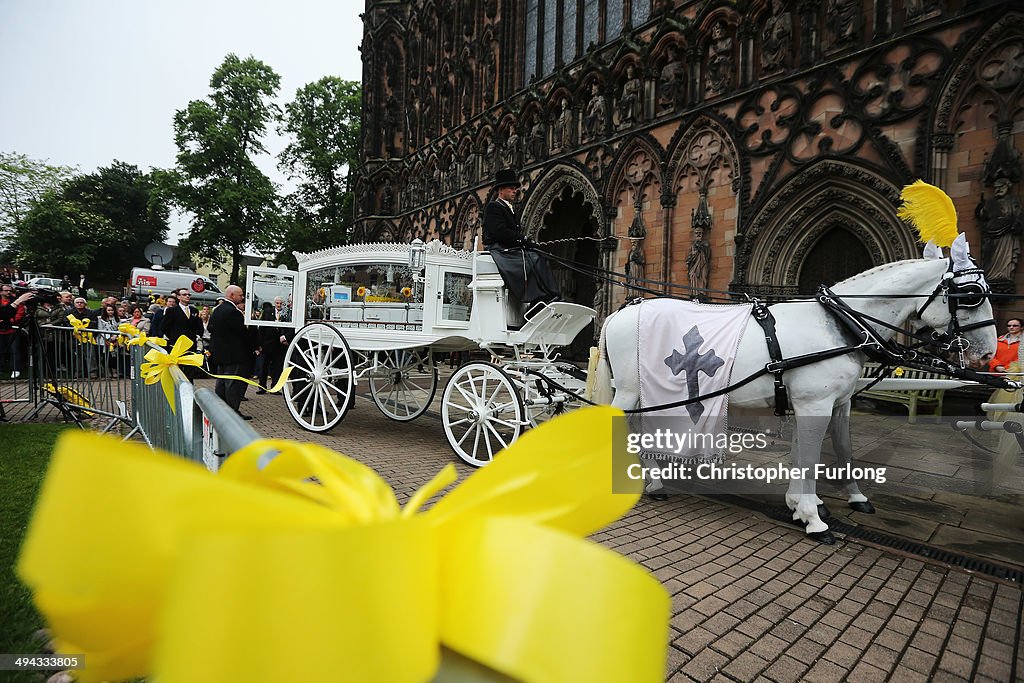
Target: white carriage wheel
pixel 404 383
pixel 481 411
pixel 320 387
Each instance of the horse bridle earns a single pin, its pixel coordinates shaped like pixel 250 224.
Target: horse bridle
pixel 958 296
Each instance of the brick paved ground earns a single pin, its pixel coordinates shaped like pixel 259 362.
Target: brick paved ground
pixel 753 600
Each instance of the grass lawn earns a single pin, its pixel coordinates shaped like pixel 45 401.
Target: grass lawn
pixel 27 450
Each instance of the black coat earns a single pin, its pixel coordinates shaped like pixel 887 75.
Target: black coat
pixel 230 340
pixel 501 227
pixel 175 324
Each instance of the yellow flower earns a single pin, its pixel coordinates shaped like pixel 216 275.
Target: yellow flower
pixel 304 566
pixel 361 291
pixel 406 292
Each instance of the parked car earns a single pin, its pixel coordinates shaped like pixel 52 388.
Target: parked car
pixel 45 283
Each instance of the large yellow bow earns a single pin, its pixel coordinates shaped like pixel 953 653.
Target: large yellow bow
pixel 159 364
pixel 80 330
pixel 306 569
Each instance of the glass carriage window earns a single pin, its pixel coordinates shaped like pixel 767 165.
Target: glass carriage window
pixel 614 14
pixel 641 11
pixel 457 299
pixel 530 58
pixel 549 45
pixel 591 19
pixel 370 295
pixel 568 30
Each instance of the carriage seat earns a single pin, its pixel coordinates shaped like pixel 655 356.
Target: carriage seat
pixel 514 309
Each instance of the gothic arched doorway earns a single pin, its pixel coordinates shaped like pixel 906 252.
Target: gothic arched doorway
pixel 570 217
pixel 837 255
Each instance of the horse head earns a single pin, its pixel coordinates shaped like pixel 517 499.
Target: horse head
pixel 959 308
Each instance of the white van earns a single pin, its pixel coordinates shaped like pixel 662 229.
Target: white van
pixel 146 281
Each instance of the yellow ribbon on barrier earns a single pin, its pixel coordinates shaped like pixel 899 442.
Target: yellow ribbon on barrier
pixel 159 364
pixel 138 337
pixel 80 330
pixel 151 566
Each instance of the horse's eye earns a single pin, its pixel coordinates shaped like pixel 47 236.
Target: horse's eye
pixel 970 296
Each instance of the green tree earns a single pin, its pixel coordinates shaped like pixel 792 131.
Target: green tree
pixel 135 212
pixel 24 181
pixel 233 205
pixel 60 236
pixel 323 124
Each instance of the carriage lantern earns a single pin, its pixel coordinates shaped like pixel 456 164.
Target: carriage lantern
pixel 417 255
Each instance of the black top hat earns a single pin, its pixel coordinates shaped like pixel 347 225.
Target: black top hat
pixel 505 177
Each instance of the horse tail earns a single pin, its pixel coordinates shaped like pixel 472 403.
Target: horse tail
pixel 602 386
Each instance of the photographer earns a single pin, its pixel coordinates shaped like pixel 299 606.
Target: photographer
pixel 12 313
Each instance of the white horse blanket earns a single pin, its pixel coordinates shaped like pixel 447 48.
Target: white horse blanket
pixel 687 349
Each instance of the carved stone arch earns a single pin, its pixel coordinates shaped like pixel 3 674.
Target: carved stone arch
pixel 962 79
pixel 625 156
pixel 711 13
pixel 384 231
pixel 682 149
pixel 468 221
pixel 406 229
pixel 552 182
pixel 771 251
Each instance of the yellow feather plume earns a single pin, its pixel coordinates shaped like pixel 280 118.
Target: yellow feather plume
pixel 930 211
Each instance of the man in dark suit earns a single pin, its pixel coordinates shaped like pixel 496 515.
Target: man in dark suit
pixel 524 270
pixel 232 347
pixel 181 320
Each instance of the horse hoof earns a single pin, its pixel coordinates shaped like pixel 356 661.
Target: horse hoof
pixel 863 506
pixel 823 512
pixel 823 537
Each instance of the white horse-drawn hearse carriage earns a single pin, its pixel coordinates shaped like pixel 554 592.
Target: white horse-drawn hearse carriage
pixel 388 313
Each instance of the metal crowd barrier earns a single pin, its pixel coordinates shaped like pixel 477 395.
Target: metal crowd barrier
pixel 87 377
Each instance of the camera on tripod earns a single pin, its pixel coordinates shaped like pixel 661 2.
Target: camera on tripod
pixel 42 296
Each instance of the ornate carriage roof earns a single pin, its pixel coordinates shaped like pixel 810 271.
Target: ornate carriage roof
pixel 433 247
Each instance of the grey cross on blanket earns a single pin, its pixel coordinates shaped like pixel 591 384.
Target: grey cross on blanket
pixel 693 362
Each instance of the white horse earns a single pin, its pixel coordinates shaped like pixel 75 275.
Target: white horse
pixel 912 291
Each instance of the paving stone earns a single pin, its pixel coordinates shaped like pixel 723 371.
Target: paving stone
pixel 746 666
pixel 919 660
pixel 786 669
pixel 704 666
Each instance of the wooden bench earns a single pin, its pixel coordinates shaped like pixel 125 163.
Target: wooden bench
pixel 913 399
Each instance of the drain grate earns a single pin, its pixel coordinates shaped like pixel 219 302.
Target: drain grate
pixel 974 564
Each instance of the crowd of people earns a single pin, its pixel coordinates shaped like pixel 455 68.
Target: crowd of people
pixel 220 334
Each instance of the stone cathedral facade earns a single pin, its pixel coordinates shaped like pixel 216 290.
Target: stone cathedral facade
pixel 751 146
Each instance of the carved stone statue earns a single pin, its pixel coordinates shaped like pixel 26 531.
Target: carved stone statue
pixel 1002 224
pixel 720 61
pixel 465 78
pixel 593 121
pixel 490 60
pixel 562 134
pixel 843 20
pixel 538 141
pixel 698 261
pixel 778 36
pixel 918 8
pixel 510 152
pixel 489 157
pixel 631 102
pixel 390 118
pixel 671 81
pixel 387 197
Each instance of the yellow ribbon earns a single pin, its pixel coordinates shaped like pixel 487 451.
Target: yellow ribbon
pixel 80 330
pixel 151 566
pixel 159 364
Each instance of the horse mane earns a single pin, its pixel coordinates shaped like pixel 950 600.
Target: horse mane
pixel 854 279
